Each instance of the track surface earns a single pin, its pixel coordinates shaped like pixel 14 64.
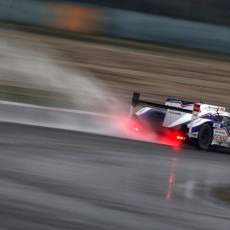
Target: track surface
pixel 53 179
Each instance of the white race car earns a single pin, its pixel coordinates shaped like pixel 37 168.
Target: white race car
pixel 200 123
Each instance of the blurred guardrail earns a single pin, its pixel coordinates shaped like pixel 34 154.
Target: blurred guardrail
pixel 117 23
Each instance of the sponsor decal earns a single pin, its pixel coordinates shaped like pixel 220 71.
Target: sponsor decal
pixel 174 112
pixel 216 125
pixel 220 138
pixel 220 135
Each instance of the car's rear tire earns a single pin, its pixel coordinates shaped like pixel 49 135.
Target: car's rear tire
pixel 205 137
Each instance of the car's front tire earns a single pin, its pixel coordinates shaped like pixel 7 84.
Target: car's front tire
pixel 205 137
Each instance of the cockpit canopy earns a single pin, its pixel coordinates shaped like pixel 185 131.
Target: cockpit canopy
pixel 225 120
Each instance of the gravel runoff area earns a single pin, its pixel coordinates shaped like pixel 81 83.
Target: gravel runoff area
pixel 157 72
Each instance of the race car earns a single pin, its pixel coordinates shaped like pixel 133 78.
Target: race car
pixel 202 124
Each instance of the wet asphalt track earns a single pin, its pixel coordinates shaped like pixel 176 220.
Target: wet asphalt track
pixel 54 179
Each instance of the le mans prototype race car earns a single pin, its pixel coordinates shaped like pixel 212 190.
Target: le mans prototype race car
pixel 202 124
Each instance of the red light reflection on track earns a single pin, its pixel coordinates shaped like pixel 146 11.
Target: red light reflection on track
pixel 174 139
pixel 177 147
pixel 172 179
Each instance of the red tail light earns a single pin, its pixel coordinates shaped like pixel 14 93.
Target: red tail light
pixel 179 137
pixel 173 138
pixel 136 129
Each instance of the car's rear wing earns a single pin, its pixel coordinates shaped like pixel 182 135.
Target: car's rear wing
pixel 136 100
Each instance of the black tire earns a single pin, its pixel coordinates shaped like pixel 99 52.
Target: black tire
pixel 205 137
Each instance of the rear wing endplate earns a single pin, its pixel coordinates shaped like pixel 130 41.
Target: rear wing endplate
pixel 136 100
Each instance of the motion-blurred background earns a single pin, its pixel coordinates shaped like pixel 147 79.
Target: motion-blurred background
pixel 58 52
pixel 89 56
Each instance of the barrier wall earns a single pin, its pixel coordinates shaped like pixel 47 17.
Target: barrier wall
pixel 25 11
pixel 117 23
pixel 159 29
pixel 76 18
